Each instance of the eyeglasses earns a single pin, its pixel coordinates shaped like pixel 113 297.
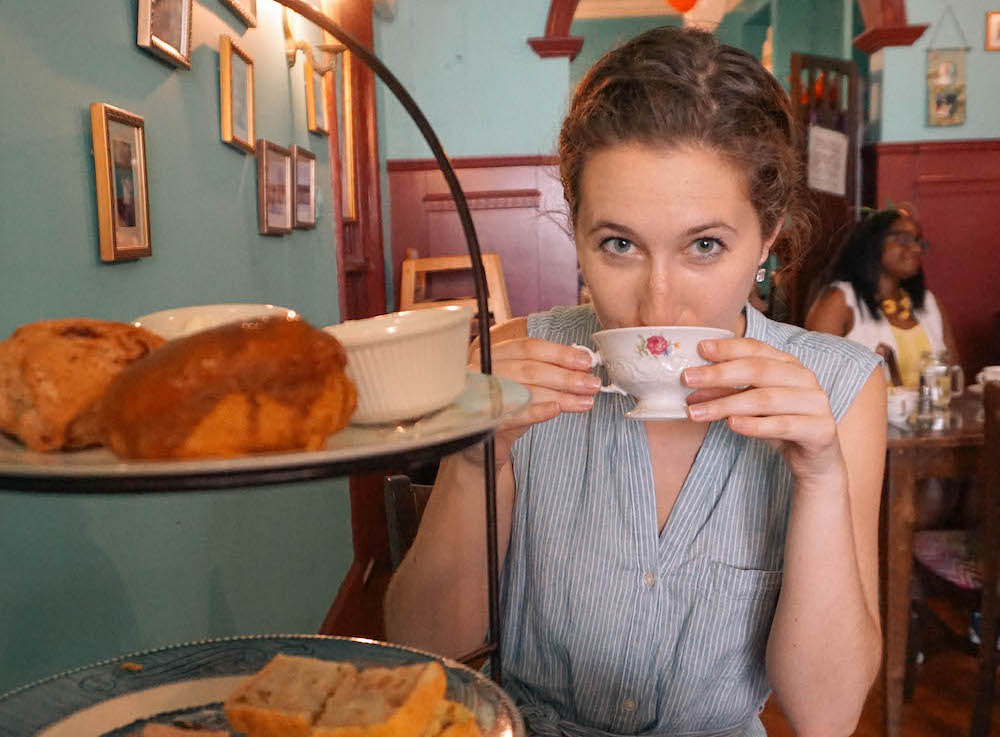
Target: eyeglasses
pixel 905 238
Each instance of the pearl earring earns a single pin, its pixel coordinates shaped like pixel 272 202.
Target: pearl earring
pixel 761 273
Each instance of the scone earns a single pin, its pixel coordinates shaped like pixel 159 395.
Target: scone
pixel 274 384
pixel 384 702
pixel 54 372
pixel 163 730
pixel 284 698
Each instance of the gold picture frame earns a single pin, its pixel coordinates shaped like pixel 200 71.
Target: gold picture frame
pixel 993 30
pixel 316 100
pixel 245 9
pixel 165 30
pixel 345 138
pixel 121 182
pixel 274 188
pixel 303 188
pixel 236 94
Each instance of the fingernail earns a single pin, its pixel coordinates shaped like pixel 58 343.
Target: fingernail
pixel 709 345
pixel 582 360
pixel 693 376
pixel 697 411
pixel 590 382
pixel 585 402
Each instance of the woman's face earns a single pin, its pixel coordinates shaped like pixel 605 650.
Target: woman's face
pixel 667 237
pixel 901 250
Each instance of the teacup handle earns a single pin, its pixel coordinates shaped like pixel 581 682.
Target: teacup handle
pixel 958 380
pixel 595 361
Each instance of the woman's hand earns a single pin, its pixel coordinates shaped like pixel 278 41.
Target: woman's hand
pixel 782 403
pixel 558 376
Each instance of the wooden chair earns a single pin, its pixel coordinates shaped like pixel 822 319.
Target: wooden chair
pixel 404 506
pixel 963 567
pixel 413 283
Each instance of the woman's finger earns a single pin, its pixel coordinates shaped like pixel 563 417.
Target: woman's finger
pixel 808 431
pixel 565 402
pixel 547 376
pixel 750 372
pixel 728 349
pixel 706 395
pixel 536 349
pixel 761 403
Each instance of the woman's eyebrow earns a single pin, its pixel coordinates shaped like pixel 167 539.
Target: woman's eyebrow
pixel 708 226
pixel 611 225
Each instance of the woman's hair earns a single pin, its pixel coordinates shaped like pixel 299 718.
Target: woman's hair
pixel 678 87
pixel 860 261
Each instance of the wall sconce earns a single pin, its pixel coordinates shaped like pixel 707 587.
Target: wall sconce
pixel 293 46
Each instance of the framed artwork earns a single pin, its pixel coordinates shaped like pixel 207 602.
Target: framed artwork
pixel 345 138
pixel 316 100
pixel 993 30
pixel 120 178
pixel 274 188
pixel 945 87
pixel 236 95
pixel 165 30
pixel 245 9
pixel 304 188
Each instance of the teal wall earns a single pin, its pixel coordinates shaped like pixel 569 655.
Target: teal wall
pixel 86 578
pixel 904 82
pixel 600 35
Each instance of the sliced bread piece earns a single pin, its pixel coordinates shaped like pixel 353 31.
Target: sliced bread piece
pixel 286 696
pixel 384 702
pixel 451 719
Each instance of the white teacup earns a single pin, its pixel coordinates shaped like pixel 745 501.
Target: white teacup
pixel 646 363
pixel 989 373
pixel 900 404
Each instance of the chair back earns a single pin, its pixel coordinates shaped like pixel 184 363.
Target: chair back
pixel 404 506
pixel 413 283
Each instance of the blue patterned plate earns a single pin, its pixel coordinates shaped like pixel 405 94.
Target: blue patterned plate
pixel 186 684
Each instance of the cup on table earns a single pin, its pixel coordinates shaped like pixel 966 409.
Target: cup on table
pixel 989 373
pixel 646 363
pixel 900 403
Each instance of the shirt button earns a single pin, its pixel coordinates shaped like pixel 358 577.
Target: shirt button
pixel 628 705
pixel 649 579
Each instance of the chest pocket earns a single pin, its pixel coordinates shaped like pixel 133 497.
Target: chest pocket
pixel 728 623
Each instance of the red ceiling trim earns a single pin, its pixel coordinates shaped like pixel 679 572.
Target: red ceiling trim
pixel 557 41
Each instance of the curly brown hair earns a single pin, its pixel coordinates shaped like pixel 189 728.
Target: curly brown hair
pixel 682 87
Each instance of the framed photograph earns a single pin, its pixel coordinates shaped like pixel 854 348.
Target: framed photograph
pixel 165 30
pixel 345 138
pixel 304 188
pixel 245 9
pixel 945 87
pixel 274 188
pixel 236 94
pixel 316 100
pixel 993 30
pixel 119 140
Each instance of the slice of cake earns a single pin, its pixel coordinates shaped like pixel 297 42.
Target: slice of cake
pixel 286 696
pixel 384 702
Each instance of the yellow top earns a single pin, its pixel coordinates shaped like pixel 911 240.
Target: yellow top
pixel 910 346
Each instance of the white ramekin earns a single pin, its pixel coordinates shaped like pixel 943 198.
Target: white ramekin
pixel 183 321
pixel 405 364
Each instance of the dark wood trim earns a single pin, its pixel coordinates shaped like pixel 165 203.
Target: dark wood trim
pixel 958 184
pixel 472 162
pixel 560 17
pixel 355 265
pixel 338 620
pixel 878 13
pixel 488 199
pixel 938 147
pixel 878 38
pixel 548 48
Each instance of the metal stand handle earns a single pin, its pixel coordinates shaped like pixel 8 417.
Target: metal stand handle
pixel 479 279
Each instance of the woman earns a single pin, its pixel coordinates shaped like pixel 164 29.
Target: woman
pixel 662 576
pixel 879 299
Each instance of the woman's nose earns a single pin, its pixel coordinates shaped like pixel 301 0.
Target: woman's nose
pixel 658 305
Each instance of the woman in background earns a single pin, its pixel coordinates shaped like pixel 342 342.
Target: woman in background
pixel 879 298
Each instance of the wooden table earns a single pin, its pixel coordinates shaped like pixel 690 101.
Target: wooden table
pixel 949 451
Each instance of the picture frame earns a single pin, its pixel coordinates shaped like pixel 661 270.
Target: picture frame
pixel 121 182
pixel 274 188
pixel 246 10
pixel 345 138
pixel 993 30
pixel 316 100
pixel 946 88
pixel 303 188
pixel 165 30
pixel 236 94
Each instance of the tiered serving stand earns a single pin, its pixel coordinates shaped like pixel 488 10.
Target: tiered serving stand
pixel 87 700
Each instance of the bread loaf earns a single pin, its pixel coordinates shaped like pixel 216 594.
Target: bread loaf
pixel 274 384
pixel 53 373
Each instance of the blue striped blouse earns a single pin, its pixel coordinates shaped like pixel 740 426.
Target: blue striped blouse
pixel 613 628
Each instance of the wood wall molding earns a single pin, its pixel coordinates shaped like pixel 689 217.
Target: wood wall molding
pixel 471 162
pixel 557 41
pixel 885 25
pixel 489 199
pixel 981 145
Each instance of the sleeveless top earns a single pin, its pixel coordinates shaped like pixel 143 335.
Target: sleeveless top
pixel 611 628
pixel 869 332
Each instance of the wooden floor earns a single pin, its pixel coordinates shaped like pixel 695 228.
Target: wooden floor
pixel 941 706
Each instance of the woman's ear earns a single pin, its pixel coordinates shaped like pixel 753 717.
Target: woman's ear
pixel 765 247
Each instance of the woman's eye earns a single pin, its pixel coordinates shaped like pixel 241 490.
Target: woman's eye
pixel 706 247
pixel 617 246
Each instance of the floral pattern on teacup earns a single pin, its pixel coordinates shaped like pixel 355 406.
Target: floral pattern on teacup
pixel 655 346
